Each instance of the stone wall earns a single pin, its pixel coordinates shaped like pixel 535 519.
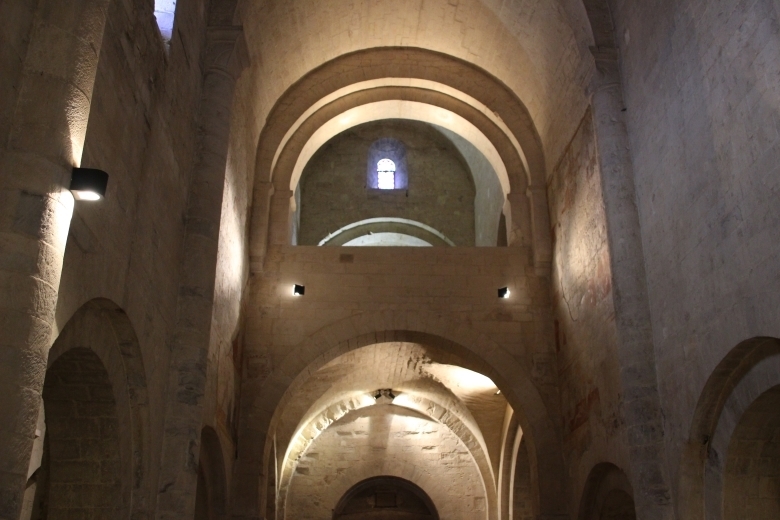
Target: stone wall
pixel 141 130
pixel 387 440
pixel 359 297
pixel 440 192
pixel 82 458
pixel 702 109
pixel 582 297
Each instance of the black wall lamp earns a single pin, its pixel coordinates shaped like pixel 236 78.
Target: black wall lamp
pixel 88 184
pixel 298 290
pixel 504 292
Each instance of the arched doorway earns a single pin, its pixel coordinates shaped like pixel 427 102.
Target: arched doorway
pixel 92 427
pixel 752 478
pixel 385 498
pixel 608 495
pixel 210 493
pixel 81 470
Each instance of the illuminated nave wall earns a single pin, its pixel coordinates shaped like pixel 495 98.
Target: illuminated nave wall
pixel 616 162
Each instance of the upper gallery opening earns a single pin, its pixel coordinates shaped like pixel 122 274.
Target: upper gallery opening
pixel 400 183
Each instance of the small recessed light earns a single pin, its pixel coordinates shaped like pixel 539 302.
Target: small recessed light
pixel 88 184
pixel 504 292
pixel 298 290
pixel 498 392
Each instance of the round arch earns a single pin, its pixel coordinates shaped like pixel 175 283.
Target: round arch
pixel 384 225
pixel 103 328
pixel 456 418
pixel 397 469
pixel 379 482
pixel 532 218
pixel 399 62
pixel 608 495
pixel 474 124
pixel 467 347
pixel 746 372
pixel 398 109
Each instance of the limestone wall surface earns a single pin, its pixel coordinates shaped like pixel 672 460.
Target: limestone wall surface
pixel 360 296
pixel 386 440
pixel 128 247
pixel 701 94
pixel 458 283
pixel 584 310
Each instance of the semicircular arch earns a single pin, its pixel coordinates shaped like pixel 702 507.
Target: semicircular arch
pixel 398 109
pixel 102 327
pixel 412 63
pixel 747 371
pixel 440 109
pixel 468 348
pixel 457 419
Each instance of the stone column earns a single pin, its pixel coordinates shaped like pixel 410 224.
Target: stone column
pixel 45 141
pixel 258 240
pixel 280 218
pixel 540 223
pixel 225 58
pixel 641 403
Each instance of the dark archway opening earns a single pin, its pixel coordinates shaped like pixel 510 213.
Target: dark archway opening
pixel 752 477
pixel 385 498
pixel 80 475
pixel 210 494
pixel 608 495
pixel 522 487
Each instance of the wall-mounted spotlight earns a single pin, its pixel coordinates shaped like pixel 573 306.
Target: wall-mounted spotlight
pixel 298 290
pixel 504 292
pixel 88 184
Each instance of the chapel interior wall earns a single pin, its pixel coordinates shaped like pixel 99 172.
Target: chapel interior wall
pixel 703 117
pixel 127 248
pixel 586 343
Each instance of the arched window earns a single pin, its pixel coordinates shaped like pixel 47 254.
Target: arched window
pixel 386 166
pixel 385 170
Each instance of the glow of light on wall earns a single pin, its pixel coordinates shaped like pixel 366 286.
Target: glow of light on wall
pixel 313 425
pixel 232 237
pixel 461 380
pixel 77 116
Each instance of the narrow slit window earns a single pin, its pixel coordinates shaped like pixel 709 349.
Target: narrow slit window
pixel 164 11
pixel 385 170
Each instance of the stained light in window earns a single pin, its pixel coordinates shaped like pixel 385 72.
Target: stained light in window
pixel 385 170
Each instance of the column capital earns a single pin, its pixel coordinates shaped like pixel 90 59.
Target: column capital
pixel 607 73
pixel 226 50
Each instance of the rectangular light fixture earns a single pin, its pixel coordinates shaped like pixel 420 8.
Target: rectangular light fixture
pixel 298 290
pixel 504 292
pixel 88 184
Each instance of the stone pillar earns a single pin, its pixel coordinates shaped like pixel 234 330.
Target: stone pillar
pixel 517 213
pixel 258 240
pixel 281 218
pixel 45 141
pixel 540 228
pixel 641 403
pixel 225 58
